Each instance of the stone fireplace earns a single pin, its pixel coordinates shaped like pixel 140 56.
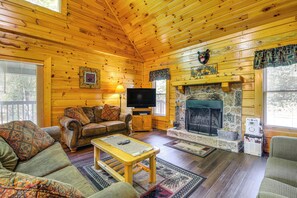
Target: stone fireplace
pixel 204 108
pixel 204 116
pixel 230 104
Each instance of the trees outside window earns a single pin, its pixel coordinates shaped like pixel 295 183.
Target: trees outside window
pixel 18 92
pixel 160 109
pixel 280 96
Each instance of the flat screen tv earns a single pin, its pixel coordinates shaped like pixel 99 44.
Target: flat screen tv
pixel 141 97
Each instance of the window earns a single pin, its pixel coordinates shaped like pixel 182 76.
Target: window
pixel 280 96
pixel 160 109
pixel 18 91
pixel 54 5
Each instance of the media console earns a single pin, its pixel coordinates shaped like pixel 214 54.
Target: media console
pixel 142 119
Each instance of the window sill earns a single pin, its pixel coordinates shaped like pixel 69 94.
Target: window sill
pixel 273 130
pixel 159 117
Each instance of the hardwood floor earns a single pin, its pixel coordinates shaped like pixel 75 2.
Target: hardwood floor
pixel 227 174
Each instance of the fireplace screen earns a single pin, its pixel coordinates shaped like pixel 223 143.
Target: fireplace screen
pixel 204 117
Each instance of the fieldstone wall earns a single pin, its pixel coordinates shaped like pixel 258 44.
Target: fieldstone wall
pixel 231 102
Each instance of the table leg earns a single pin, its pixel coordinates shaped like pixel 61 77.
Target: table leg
pixel 96 158
pixel 153 169
pixel 128 174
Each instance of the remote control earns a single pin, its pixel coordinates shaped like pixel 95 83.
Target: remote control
pixel 124 142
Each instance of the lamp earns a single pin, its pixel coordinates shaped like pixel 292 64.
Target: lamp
pixel 120 89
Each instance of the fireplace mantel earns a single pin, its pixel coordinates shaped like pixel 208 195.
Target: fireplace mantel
pixel 223 80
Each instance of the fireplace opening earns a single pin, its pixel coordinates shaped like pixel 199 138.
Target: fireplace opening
pixel 204 116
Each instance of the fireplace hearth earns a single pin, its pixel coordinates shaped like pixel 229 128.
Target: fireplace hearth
pixel 204 116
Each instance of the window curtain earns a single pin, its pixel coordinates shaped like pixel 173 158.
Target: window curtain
pixel 161 74
pixel 280 56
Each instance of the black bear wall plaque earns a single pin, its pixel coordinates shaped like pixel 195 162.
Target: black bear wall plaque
pixel 203 57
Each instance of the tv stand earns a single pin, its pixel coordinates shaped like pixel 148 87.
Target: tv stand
pixel 142 119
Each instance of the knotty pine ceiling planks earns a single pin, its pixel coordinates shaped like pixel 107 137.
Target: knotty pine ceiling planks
pixel 158 27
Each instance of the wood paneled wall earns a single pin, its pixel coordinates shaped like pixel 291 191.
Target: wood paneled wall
pixel 88 36
pixel 234 54
pixel 83 24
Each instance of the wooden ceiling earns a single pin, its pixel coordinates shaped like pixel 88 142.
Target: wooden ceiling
pixel 157 27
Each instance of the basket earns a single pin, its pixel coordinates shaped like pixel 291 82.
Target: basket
pixel 227 135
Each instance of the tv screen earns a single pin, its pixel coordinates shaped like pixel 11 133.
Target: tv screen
pixel 141 97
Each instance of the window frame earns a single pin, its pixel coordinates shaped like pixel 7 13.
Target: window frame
pixel 160 116
pixel 62 14
pixel 264 91
pixel 45 95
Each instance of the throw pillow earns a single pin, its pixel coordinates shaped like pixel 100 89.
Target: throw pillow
pixel 89 113
pixel 25 138
pixel 97 113
pixel 14 184
pixel 8 158
pixel 78 114
pixel 110 113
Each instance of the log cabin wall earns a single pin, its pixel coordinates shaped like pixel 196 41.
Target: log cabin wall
pixel 87 35
pixel 234 54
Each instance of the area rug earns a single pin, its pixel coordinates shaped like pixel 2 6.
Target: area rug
pixel 172 181
pixel 191 147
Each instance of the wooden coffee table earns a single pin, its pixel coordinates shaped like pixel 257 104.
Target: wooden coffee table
pixel 122 166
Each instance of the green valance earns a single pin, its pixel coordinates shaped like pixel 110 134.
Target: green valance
pixel 162 74
pixel 280 56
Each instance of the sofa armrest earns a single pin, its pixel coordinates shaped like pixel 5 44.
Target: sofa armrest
pixel 71 132
pixel 54 132
pixel 70 123
pixel 284 147
pixel 126 118
pixel 119 189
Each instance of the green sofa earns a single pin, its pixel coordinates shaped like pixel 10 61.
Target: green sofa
pixel 280 178
pixel 53 163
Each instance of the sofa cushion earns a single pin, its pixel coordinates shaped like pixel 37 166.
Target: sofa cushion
pixel 78 114
pixel 278 188
pixel 89 113
pixel 8 158
pixel 72 176
pixel 14 184
pixel 97 113
pixel 114 125
pixel 93 129
pixel 269 195
pixel 110 113
pixel 1 166
pixel 282 170
pixel 47 161
pixel 25 138
pixel 118 189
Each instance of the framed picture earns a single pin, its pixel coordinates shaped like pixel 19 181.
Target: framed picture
pixel 89 78
pixel 203 70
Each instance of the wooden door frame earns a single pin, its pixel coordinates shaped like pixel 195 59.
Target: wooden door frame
pixel 47 86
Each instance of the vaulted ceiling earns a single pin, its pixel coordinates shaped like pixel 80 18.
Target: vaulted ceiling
pixel 156 27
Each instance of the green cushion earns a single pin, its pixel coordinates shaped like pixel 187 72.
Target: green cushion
pixel 117 190
pixel 71 175
pixel 47 161
pixel 8 158
pixel 277 188
pixel 269 195
pixel 282 170
pixel 1 167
